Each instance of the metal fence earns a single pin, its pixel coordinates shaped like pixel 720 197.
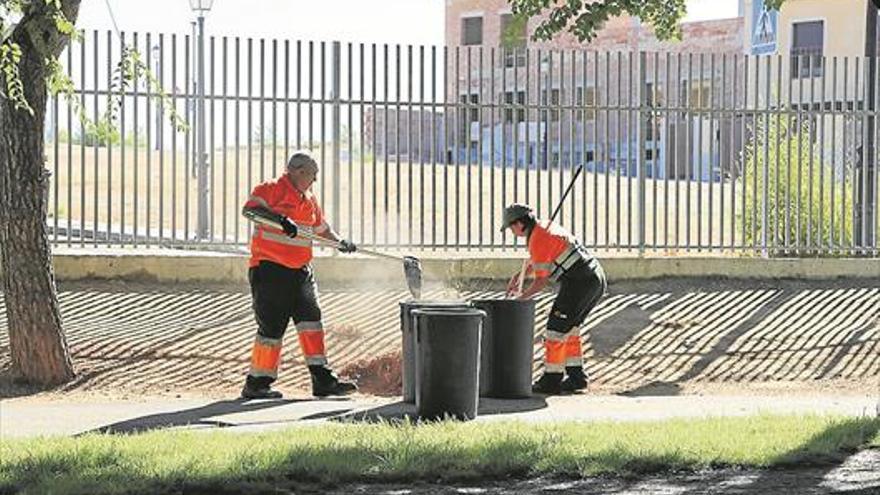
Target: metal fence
pixel 422 146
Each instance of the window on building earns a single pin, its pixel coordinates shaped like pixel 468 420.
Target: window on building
pixel 471 31
pixel 470 114
pixel 520 112
pixel 514 38
pixel 696 93
pixel 807 40
pixel 552 104
pixel 585 98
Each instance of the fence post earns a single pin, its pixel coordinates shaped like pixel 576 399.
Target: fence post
pixel 641 123
pixel 336 131
pixel 201 152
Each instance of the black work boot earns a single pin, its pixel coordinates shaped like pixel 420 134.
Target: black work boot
pixel 549 384
pixel 325 383
pixel 258 391
pixel 576 380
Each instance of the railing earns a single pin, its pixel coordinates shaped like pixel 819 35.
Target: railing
pixel 422 146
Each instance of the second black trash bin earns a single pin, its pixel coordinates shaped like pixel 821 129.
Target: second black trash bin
pixel 408 339
pixel 448 362
pixel 510 328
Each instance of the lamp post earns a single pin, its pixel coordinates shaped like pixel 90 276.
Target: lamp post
pixel 201 7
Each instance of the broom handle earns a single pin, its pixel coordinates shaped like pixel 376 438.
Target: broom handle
pixel 336 244
pixel 525 264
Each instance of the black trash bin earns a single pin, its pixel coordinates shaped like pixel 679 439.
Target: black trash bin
pixel 510 327
pixel 407 330
pixel 448 362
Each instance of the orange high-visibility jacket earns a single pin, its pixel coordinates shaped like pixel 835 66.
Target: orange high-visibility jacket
pixel 553 250
pixel 271 244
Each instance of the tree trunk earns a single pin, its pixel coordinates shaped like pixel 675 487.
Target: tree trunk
pixel 36 337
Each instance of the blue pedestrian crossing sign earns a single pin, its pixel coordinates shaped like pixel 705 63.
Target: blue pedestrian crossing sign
pixel 764 28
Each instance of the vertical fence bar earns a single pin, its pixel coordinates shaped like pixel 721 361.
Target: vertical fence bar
pixel 385 104
pixel 455 145
pixel 250 114
pixel 571 139
pixel 732 157
pixel 350 232
pixel 843 188
pixel 286 69
pixel 397 178
pixel 689 152
pixel 262 129
pixel 860 187
pixel 56 177
pixel 482 102
pixel 363 143
pixel 135 146
pixel 322 105
pixel 274 137
pixel 765 211
pixel 596 115
pixel 618 138
pixel 187 155
pixel 82 147
pixel 671 154
pixel 700 114
pixel 872 178
pixel 210 156
pixel 122 182
pixel 712 164
pixel 409 146
pixel 421 147
pixel 607 149
pixel 508 108
pixel 299 95
pixel 493 101
pixel 174 177
pixel 336 125
pixel 109 142
pixel 225 142
pixel 743 152
pixel 632 101
pixel 654 110
pixel 468 144
pixel 109 222
pixel 434 138
pixel 833 172
pixel 237 138
pixel 70 149
pixel 811 242
pixel 160 134
pixel 641 123
pixel 149 143
pixel 778 118
pixel 821 115
pixel 375 149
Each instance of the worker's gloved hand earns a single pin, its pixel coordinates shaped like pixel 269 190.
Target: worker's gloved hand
pixel 347 246
pixel 512 285
pixel 289 227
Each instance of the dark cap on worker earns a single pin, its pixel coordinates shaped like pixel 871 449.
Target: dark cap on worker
pixel 513 213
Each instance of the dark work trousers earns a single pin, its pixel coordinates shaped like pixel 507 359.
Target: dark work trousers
pixel 280 293
pixel 581 289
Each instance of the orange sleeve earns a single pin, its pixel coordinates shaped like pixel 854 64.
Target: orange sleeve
pixel 260 196
pixel 541 256
pixel 320 223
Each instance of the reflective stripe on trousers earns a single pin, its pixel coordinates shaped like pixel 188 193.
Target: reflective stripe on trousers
pixel 265 357
pixel 311 341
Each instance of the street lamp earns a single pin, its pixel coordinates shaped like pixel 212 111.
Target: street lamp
pixel 201 7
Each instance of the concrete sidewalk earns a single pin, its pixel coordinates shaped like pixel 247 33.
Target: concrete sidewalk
pixel 28 417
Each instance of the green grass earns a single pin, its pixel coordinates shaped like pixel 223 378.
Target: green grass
pixel 175 461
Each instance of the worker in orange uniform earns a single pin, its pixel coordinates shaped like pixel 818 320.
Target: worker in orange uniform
pixel 555 255
pixel 281 278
